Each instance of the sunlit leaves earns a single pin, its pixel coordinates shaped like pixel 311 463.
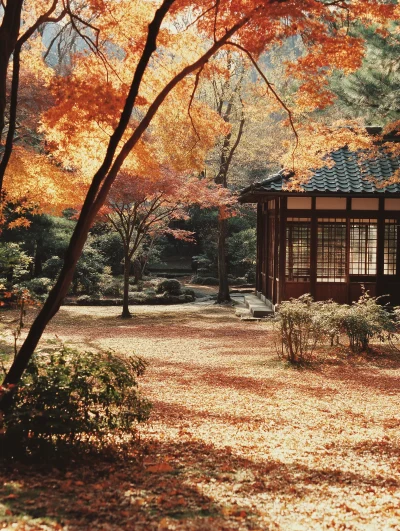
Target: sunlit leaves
pixel 37 183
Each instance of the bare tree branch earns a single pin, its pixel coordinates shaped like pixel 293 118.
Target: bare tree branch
pixel 271 88
pixel 196 83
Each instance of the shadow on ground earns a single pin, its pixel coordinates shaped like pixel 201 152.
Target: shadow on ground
pixel 188 483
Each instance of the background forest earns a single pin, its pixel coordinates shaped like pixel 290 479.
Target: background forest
pixel 37 225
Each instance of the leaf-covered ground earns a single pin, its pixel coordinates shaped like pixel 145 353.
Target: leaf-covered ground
pixel 237 440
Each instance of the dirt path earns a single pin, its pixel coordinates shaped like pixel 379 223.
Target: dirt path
pixel 236 439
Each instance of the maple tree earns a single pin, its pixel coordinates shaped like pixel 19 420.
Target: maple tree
pixel 227 95
pixel 142 207
pixel 166 47
pixel 28 176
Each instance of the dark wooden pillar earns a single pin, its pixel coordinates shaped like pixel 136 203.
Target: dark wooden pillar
pixel 380 251
pixel 260 239
pixel 276 253
pixel 347 265
pixel 265 251
pixel 282 248
pixel 313 250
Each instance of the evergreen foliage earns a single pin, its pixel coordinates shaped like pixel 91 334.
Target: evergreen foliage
pixel 68 398
pixel 373 92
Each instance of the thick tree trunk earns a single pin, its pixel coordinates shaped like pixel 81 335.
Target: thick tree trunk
pixel 94 200
pixel 126 314
pixel 100 187
pixel 223 291
pixel 9 31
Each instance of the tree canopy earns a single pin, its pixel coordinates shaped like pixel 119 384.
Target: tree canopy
pixel 124 92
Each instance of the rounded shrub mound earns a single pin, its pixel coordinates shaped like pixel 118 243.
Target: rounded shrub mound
pixel 169 285
pixel 38 286
pixel 204 281
pixel 70 399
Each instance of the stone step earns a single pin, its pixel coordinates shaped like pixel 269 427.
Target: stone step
pixel 246 315
pixel 257 307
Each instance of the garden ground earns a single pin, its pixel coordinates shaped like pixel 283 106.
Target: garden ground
pixel 236 440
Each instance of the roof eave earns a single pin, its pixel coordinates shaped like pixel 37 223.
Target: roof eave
pixel 254 195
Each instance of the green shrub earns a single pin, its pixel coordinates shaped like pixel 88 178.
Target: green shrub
pixel 86 300
pixel 170 285
pixel 89 271
pixel 38 287
pixel 367 319
pixel 14 262
pixel 136 296
pixel 242 252
pixel 303 324
pixel 250 276
pixel 204 281
pixel 150 292
pixel 202 260
pixel 52 267
pixel 299 328
pixel 69 398
pixel 109 286
pixel 190 292
pixel 203 271
pixel 328 318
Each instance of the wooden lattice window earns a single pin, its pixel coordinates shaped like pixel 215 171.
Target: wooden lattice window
pixel 390 247
pixel 298 240
pixel 363 246
pixel 331 250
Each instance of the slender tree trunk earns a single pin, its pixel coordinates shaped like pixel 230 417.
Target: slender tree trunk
pixel 226 158
pixel 126 314
pixel 38 261
pixel 223 291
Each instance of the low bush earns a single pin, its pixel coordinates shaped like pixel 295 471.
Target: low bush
pixel 190 292
pixel 201 261
pixel 74 399
pixel 14 262
pixel 110 287
pixel 203 271
pixel 86 300
pixel 38 287
pixel 250 276
pixel 328 318
pixel 204 281
pixel 136 296
pixel 367 319
pixel 89 271
pixel 303 324
pixel 298 326
pixel 242 251
pixel 171 286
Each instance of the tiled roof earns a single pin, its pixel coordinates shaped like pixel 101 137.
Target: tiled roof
pixel 346 176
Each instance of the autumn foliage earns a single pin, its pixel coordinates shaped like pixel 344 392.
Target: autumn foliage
pixel 136 72
pixel 140 209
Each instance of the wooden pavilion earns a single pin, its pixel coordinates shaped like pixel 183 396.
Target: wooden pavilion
pixel 338 234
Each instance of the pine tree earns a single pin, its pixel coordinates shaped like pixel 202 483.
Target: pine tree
pixel 373 91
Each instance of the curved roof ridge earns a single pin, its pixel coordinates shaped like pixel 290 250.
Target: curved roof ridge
pixel 348 175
